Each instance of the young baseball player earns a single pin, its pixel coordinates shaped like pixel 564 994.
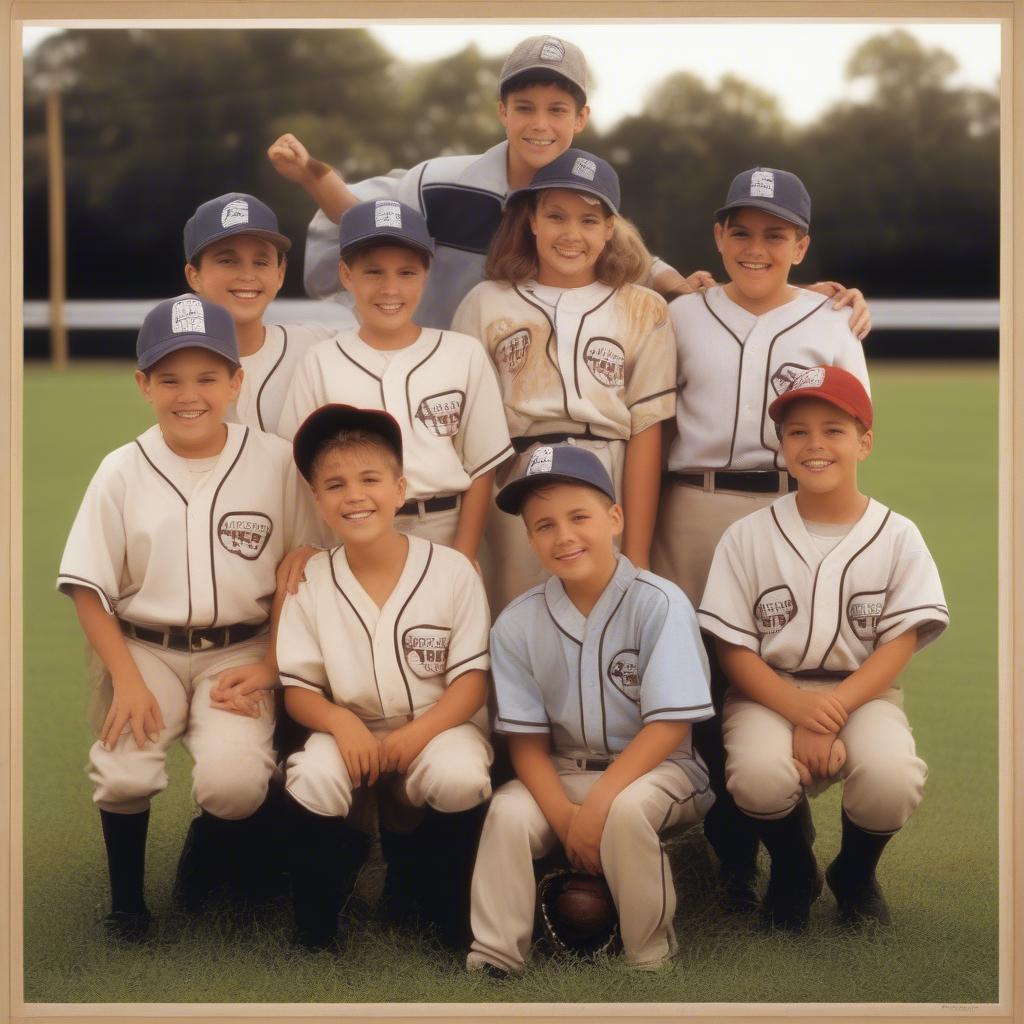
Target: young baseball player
pixel 437 384
pixel 598 674
pixel 383 653
pixel 739 346
pixel 236 256
pixel 583 354
pixel 542 106
pixel 816 604
pixel 171 564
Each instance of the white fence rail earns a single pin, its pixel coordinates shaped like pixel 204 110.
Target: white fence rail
pixel 886 314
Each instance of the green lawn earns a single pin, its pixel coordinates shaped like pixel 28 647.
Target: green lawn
pixel 935 460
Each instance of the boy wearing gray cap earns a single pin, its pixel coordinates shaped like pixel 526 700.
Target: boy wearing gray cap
pixel 236 256
pixel 171 565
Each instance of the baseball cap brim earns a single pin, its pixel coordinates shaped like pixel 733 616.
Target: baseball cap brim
pixel 569 184
pixel 329 419
pixel 180 341
pixel 386 236
pixel 279 241
pixel 545 66
pixel 762 204
pixel 511 497
pixel 812 395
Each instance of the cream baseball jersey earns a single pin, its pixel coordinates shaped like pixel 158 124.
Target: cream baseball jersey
pixel 594 356
pixel 441 390
pixel 161 552
pixel 269 372
pixel 771 591
pixel 593 683
pixel 732 365
pixel 390 661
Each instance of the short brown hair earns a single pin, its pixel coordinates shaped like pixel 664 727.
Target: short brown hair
pixel 350 440
pixel 352 256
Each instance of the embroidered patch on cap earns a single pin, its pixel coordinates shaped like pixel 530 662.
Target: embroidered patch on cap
pixel 762 183
pixel 584 168
pixel 236 212
pixel 540 460
pixel 812 378
pixel 387 214
pixel 187 317
pixel 552 50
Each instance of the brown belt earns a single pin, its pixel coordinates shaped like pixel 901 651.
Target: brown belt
pixel 440 504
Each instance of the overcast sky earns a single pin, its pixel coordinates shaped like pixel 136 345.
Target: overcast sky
pixel 800 63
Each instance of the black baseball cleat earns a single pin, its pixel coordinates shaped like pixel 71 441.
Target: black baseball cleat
pixel 858 904
pixel 787 904
pixel 127 926
pixel 738 893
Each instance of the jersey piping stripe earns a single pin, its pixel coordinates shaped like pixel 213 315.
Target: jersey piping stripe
pixel 661 711
pixel 419 187
pixel 300 679
pixel 379 380
pixel 213 505
pixel 159 473
pixel 366 630
pixel 916 608
pixel 398 619
pixel 493 461
pixel 786 537
pixel 466 661
pixel 913 625
pixel 515 721
pixel 739 374
pixel 842 578
pixel 576 345
pixel 558 626
pixel 76 580
pixel 547 347
pixel 767 379
pixel 651 398
pixel 739 629
pixel 266 380
pixel 408 377
pixel 600 666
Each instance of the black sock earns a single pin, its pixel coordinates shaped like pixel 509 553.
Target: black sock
pixel 125 838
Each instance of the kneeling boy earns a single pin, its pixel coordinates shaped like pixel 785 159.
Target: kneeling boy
pixel 817 603
pixel 384 655
pixel 598 674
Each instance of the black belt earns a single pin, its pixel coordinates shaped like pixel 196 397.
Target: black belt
pixel 592 764
pixel 182 638
pixel 440 504
pixel 521 444
pixel 759 482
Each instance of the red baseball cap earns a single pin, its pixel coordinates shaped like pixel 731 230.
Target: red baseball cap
pixel 830 384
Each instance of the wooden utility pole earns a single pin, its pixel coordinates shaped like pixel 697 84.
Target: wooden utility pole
pixel 55 163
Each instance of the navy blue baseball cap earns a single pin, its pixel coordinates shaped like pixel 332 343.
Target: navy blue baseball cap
pixel 578 171
pixel 232 214
pixel 186 322
pixel 767 188
pixel 384 221
pixel 329 420
pixel 555 464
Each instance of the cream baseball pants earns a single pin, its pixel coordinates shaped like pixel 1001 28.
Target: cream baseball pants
pixel 635 865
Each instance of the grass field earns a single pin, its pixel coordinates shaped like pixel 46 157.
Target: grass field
pixel 935 460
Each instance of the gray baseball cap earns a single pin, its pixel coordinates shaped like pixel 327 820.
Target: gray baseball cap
pixel 384 220
pixel 186 322
pixel 546 53
pixel 578 171
pixel 553 464
pixel 767 188
pixel 233 213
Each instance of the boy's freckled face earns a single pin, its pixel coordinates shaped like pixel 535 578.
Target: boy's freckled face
pixel 758 249
pixel 822 445
pixel 571 234
pixel 240 273
pixel 387 284
pixel 572 529
pixel 540 122
pixel 190 391
pixel 357 491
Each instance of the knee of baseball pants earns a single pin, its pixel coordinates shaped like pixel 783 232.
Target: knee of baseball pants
pixel 126 778
pixel 451 773
pixel 232 784
pixel 763 783
pixel 317 778
pixel 881 793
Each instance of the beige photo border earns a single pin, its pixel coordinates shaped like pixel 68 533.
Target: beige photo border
pixel 125 13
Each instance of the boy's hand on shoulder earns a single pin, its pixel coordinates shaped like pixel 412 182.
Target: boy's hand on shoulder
pixel 359 748
pixel 134 707
pixel 819 712
pixel 583 842
pixel 292 160
pixel 292 568
pixel 860 318
pixel 399 748
pixel 817 755
pixel 242 689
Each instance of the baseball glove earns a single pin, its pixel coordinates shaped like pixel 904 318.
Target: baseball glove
pixel 578 914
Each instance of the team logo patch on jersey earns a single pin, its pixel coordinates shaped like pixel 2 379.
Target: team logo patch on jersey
pixel 774 609
pixel 812 378
pixel 236 212
pixel 245 533
pixel 606 360
pixel 783 377
pixel 624 672
pixel 762 183
pixel 552 50
pixel 442 414
pixel 387 214
pixel 187 317
pixel 584 168
pixel 510 353
pixel 540 460
pixel 426 650
pixel 862 611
